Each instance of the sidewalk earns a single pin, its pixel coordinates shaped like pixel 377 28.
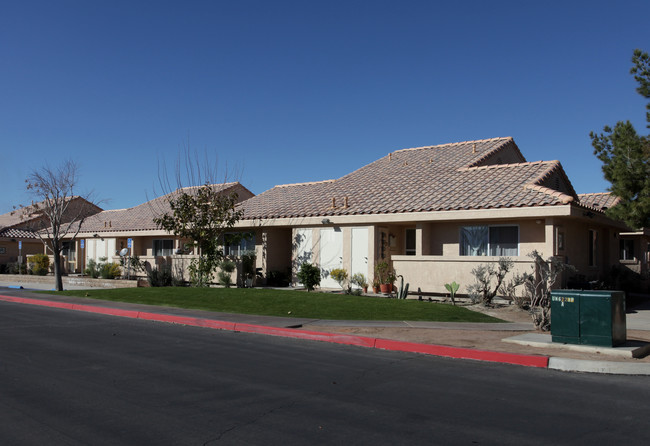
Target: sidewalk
pixel 458 340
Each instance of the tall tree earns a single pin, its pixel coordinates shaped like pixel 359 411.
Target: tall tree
pixel 57 212
pixel 626 156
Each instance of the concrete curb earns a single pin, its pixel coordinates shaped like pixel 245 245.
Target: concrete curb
pixel 563 364
pixel 583 365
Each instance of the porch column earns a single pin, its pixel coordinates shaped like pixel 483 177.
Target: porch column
pixel 549 238
pixel 422 239
pixel 372 252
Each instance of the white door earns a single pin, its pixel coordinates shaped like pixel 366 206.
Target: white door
pixel 331 255
pixel 304 248
pixel 360 252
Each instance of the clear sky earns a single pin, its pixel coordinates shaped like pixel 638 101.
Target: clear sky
pixel 293 91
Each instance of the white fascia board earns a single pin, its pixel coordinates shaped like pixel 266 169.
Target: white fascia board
pixel 369 219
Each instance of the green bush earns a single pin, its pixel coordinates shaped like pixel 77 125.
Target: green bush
pixel 40 264
pixel 110 270
pixel 225 278
pixel 359 280
pixel 93 269
pixel 309 275
pixel 160 277
pixel 341 277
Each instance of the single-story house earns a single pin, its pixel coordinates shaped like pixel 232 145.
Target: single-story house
pixel 18 230
pixel 434 213
pixel 104 235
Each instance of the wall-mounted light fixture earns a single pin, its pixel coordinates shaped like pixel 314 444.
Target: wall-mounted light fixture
pixel 326 221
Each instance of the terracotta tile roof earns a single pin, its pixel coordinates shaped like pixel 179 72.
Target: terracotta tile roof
pixel 483 174
pixel 17 233
pixel 140 218
pixel 599 201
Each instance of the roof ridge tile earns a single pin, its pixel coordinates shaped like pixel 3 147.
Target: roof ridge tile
pixel 505 138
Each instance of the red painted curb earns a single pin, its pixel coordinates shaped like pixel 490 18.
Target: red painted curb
pixel 305 334
pixel 42 303
pixel 107 310
pixel 362 341
pixel 464 353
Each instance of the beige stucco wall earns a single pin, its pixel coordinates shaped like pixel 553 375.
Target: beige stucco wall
pixel 10 246
pixel 430 273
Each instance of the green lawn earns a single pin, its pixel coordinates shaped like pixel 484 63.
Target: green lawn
pixel 288 303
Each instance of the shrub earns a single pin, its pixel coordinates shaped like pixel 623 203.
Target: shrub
pixel 359 280
pixel 40 264
pixel 225 278
pixel 483 290
pixel 341 277
pixel 16 268
pixel 110 270
pixel 92 269
pixel 309 275
pixel 160 277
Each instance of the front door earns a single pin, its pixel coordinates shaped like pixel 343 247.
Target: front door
pixel 360 252
pixel 331 255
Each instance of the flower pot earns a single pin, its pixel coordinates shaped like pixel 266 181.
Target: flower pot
pixel 375 289
pixel 386 288
pixel 365 289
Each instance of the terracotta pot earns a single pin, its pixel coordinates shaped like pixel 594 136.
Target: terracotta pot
pixel 375 289
pixel 365 289
pixel 386 288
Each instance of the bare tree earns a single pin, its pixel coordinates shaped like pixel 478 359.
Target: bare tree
pixel 57 212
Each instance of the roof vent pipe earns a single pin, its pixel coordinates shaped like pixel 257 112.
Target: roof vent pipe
pixel 346 203
pixel 474 148
pixel 333 202
pixel 390 156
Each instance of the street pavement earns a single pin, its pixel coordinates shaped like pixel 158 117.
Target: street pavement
pixel 459 340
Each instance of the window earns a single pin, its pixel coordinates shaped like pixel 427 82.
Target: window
pixel 410 242
pixel 238 244
pixel 489 240
pixel 163 247
pixel 593 247
pixel 69 250
pixel 626 249
pixel 3 250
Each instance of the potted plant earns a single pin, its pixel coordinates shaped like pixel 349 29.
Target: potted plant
pixel 375 285
pixel 359 280
pixel 385 275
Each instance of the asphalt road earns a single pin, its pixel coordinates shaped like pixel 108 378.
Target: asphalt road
pixel 69 378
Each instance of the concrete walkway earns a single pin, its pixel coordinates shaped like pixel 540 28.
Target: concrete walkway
pixel 408 336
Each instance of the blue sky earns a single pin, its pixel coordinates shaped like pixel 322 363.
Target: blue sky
pixel 293 91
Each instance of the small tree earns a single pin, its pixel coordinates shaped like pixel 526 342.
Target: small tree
pixel 309 275
pixel 202 214
pixel 59 212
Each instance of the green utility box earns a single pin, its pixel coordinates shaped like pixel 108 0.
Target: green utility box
pixel 588 317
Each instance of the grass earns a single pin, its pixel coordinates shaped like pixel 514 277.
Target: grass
pixel 288 303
